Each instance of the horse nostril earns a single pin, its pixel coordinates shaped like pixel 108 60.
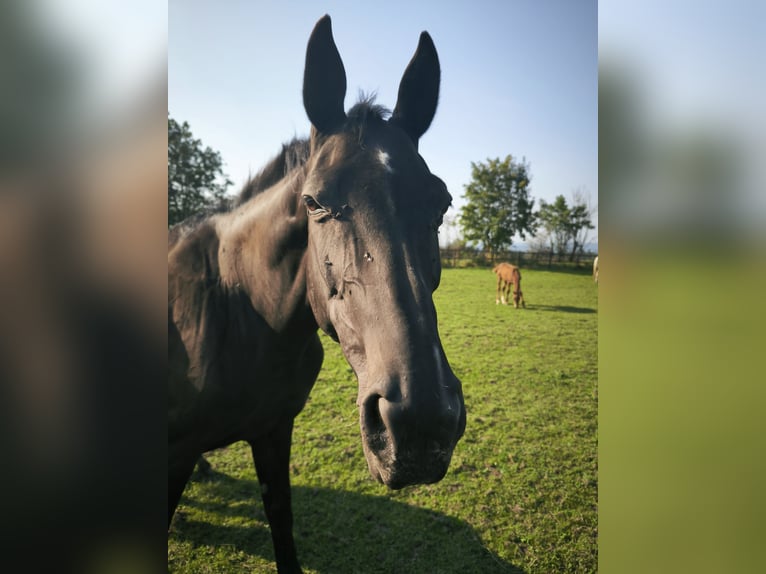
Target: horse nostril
pixel 374 427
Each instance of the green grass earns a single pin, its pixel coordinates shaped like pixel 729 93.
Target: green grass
pixel 521 492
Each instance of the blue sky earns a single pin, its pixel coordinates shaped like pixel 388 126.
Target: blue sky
pixel 518 77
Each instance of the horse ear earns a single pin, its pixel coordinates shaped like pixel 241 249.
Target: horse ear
pixel 418 90
pixel 324 80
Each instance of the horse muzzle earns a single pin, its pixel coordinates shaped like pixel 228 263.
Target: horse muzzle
pixel 410 442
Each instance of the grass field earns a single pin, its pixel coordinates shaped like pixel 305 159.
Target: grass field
pixel 521 492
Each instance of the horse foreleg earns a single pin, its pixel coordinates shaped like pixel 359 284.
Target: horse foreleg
pixel 178 476
pixel 499 288
pixel 271 454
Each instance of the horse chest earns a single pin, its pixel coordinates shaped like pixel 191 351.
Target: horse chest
pixel 278 382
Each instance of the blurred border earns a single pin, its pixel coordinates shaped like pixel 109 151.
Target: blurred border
pixel 83 134
pixel 682 277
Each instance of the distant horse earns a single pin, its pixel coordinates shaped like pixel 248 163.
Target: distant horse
pixel 339 232
pixel 595 269
pixel 508 276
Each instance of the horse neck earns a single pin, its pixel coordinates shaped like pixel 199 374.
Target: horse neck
pixel 262 252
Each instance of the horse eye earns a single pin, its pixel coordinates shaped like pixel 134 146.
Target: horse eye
pixel 312 205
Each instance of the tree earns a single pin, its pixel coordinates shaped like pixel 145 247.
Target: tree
pixel 554 219
pixel 580 221
pixel 195 174
pixel 565 225
pixel 498 204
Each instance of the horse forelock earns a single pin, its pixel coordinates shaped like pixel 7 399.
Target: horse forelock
pixel 366 110
pixel 363 114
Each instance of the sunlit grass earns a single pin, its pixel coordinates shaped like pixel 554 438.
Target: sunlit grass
pixel 682 411
pixel 521 492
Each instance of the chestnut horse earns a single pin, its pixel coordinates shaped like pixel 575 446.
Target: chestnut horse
pixel 338 233
pixel 508 276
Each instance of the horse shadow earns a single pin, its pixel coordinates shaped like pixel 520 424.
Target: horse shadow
pixel 337 532
pixel 561 308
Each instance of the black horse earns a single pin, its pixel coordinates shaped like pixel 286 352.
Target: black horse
pixel 337 233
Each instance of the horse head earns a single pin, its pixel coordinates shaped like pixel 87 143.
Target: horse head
pixel 372 260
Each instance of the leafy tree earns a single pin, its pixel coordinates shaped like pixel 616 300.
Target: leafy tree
pixel 580 222
pixel 566 226
pixel 554 219
pixel 498 204
pixel 195 174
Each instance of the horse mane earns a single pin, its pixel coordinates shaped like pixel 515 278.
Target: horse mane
pixel 294 154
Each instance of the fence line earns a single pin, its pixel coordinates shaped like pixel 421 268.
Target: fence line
pixel 465 257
